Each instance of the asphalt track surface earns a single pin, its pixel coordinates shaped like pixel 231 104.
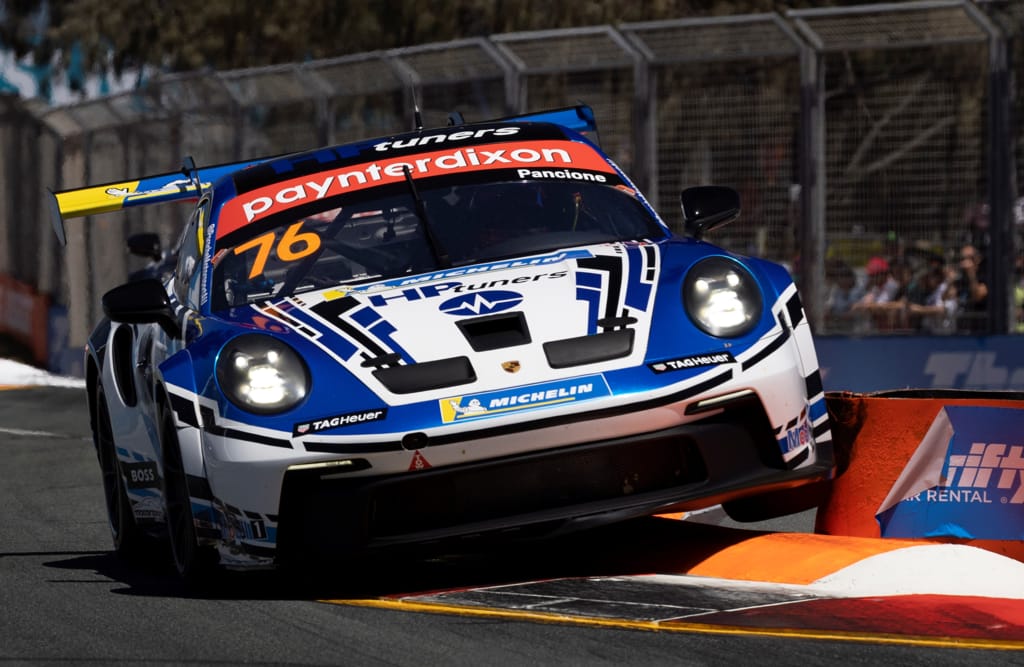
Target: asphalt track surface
pixel 590 600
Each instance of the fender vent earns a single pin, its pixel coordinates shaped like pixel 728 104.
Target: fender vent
pixel 589 349
pixel 124 372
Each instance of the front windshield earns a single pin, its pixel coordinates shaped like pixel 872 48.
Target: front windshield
pixel 373 238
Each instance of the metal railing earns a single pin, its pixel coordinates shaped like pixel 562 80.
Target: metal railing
pixel 887 130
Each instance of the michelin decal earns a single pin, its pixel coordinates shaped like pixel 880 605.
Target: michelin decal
pixel 497 403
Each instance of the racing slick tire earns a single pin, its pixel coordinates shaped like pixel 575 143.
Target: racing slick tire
pixel 196 565
pixel 130 542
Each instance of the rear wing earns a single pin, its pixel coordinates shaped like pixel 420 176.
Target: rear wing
pixel 108 197
pixel 579 118
pixel 181 185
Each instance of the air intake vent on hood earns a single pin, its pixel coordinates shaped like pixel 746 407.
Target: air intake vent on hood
pixel 589 349
pixel 425 376
pixel 494 332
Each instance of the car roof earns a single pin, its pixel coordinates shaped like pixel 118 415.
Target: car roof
pixel 407 143
pixel 261 190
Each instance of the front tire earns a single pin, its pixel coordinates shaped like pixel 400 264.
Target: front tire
pixel 129 540
pixel 196 565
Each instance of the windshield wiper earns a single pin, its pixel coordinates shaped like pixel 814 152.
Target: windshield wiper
pixel 440 256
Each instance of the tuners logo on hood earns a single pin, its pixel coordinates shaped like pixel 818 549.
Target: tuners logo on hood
pixel 444 289
pixel 481 303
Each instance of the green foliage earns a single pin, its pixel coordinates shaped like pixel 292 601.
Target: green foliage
pixel 181 35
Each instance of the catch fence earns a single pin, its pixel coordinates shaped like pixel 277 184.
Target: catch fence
pixel 888 130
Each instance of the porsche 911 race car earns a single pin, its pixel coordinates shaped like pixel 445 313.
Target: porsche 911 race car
pixel 472 330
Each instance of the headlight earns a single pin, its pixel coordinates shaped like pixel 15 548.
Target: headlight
pixel 261 374
pixel 722 298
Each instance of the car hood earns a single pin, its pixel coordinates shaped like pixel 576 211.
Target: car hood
pixel 482 327
pixel 571 329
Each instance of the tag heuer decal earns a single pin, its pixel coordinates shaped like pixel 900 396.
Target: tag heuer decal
pixel 337 421
pixel 696 361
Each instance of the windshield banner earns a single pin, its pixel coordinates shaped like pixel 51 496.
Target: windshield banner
pixel 535 156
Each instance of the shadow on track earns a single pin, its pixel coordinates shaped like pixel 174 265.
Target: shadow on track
pixel 643 546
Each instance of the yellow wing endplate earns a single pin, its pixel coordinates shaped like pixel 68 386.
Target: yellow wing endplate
pixel 110 197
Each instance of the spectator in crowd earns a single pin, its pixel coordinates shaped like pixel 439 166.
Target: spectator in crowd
pixel 921 284
pixel 844 292
pixel 883 302
pixel 972 291
pixel 932 307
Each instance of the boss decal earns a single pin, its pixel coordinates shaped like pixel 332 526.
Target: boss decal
pixel 496 403
pixel 481 303
pixel 338 421
pixel 696 361
pixel 142 475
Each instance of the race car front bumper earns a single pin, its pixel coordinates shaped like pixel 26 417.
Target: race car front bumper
pixel 733 455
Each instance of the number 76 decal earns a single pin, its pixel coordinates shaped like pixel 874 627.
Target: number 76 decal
pixel 293 245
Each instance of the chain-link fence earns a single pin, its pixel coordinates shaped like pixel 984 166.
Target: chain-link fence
pixel 906 154
pixel 866 141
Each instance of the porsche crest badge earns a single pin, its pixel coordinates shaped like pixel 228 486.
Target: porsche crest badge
pixel 510 366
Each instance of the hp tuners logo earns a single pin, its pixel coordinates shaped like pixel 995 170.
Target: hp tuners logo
pixel 481 303
pixel 987 463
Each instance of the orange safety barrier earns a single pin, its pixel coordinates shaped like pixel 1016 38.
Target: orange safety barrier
pixel 24 315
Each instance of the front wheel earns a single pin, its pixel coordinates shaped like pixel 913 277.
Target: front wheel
pixel 195 564
pixel 129 540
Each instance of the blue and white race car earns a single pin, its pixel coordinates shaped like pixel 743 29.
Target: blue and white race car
pixel 449 332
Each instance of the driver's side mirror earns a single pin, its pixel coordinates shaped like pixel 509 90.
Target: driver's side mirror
pixel 706 207
pixel 142 302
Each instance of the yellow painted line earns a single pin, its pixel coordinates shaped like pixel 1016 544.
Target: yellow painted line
pixel 793 558
pixel 683 626
pixel 8 387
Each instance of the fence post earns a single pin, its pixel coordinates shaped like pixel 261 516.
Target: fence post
pixel 1000 167
pixel 645 116
pixel 10 129
pixel 811 275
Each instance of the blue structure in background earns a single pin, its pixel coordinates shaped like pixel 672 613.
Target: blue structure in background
pixel 878 363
